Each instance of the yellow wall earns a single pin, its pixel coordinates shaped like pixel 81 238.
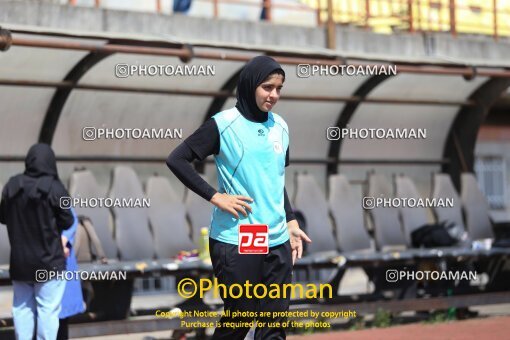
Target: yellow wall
pixel 472 16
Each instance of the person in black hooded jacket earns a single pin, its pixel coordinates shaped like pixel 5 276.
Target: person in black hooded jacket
pixel 30 208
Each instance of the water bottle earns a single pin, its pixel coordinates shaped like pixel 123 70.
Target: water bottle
pixel 452 311
pixel 203 251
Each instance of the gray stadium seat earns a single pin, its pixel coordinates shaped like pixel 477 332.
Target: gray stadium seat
pixel 476 209
pixel 443 188
pixel 412 218
pixel 132 232
pixel 5 246
pixel 167 217
pixel 388 232
pixel 199 213
pixel 347 213
pixel 355 243
pixel 387 229
pixel 312 203
pixel 352 237
pixel 323 250
pixel 84 184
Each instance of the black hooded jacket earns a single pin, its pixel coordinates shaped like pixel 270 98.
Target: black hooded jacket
pixel 205 140
pixel 30 208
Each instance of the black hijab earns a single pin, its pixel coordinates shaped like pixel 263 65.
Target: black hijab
pixel 252 75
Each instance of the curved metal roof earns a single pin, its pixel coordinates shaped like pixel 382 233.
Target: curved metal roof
pixel 53 84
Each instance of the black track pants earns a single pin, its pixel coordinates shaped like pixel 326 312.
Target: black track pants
pixel 231 267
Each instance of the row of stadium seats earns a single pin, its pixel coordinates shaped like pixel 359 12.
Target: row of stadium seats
pixel 336 225
pixel 134 233
pixel 391 226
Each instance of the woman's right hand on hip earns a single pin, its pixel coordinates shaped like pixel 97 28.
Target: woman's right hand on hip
pixel 232 203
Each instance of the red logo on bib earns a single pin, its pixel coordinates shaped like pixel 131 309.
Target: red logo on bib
pixel 253 239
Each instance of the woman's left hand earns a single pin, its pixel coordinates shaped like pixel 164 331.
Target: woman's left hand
pixel 67 252
pixel 296 239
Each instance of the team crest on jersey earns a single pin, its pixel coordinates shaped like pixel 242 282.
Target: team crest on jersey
pixel 277 147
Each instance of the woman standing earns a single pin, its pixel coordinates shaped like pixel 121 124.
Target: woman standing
pixel 72 301
pixel 250 144
pixel 31 209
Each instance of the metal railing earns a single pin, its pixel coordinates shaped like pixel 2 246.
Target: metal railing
pixel 487 17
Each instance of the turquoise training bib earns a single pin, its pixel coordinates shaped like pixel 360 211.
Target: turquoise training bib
pixel 251 162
